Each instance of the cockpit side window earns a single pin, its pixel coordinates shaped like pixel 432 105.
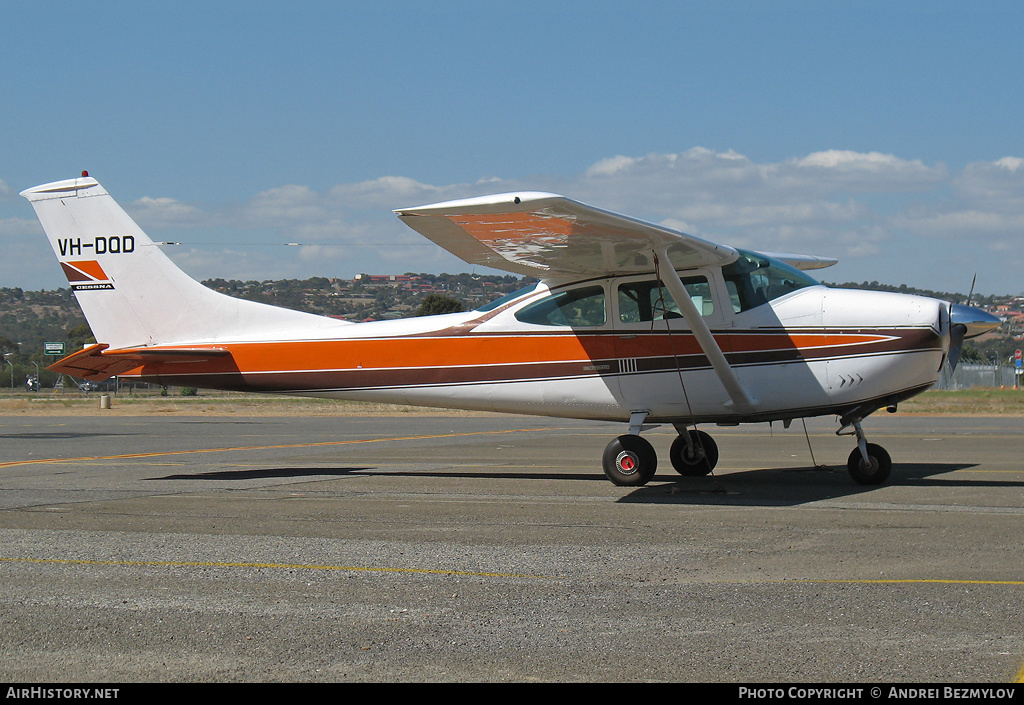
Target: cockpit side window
pixel 583 307
pixel 646 301
pixel 753 280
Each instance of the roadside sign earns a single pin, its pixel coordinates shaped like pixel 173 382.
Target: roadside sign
pixel 1016 358
pixel 53 348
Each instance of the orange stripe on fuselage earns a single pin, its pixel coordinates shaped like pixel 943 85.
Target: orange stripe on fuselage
pixel 390 353
pixel 483 350
pixel 761 342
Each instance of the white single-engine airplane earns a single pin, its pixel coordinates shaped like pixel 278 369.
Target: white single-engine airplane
pixel 630 321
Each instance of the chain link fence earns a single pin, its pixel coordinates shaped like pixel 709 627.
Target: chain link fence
pixel 971 376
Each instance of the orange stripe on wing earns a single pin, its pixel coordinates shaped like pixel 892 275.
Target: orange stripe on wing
pixel 512 227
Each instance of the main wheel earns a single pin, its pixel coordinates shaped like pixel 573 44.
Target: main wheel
pixel 874 472
pixel 630 461
pixel 694 464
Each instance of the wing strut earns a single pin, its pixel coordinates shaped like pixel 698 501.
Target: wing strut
pixel 742 400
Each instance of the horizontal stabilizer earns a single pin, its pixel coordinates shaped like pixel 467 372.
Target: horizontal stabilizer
pixel 97 363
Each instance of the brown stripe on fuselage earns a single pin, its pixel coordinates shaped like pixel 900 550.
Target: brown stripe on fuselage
pixel 473 358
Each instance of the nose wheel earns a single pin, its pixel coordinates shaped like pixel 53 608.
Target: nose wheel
pixel 869 464
pixel 871 471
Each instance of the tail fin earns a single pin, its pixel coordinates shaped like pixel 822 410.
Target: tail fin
pixel 131 293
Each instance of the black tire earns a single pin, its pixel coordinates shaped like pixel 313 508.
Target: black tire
pixel 630 461
pixel 688 465
pixel 874 473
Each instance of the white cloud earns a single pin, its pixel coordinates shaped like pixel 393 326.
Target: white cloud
pixel 611 166
pixel 386 193
pixel 164 213
pixel 283 206
pixel 20 226
pixel 849 161
pixel 1010 163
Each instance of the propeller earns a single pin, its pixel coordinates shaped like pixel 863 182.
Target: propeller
pixel 966 322
pixel 957 332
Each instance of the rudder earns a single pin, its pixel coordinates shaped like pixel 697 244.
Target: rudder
pixel 131 293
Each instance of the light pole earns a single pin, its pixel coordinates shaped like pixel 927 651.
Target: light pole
pixel 7 359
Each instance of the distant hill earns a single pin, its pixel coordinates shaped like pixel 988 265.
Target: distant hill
pixel 953 297
pixel 30 318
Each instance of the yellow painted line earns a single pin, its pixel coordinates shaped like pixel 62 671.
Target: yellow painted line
pixel 1019 678
pixel 36 461
pixel 439 571
pixel 277 566
pixel 896 581
pixel 1005 472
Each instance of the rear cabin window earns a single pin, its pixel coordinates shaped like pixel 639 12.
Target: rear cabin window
pixel 646 301
pixel 577 308
pixel 753 280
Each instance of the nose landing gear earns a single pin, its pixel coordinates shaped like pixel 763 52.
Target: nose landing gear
pixel 868 464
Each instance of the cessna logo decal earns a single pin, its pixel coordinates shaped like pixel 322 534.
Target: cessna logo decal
pixel 86 275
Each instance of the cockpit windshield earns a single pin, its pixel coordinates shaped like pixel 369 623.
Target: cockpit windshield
pixel 753 280
pixel 497 303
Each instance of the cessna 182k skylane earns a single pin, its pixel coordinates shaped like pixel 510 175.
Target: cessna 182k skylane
pixel 630 321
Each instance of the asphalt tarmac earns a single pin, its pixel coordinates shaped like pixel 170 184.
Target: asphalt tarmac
pixel 492 548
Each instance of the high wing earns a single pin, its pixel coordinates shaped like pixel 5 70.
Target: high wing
pixel 802 261
pixel 547 235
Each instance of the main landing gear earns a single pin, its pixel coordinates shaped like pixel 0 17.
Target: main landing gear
pixel 630 461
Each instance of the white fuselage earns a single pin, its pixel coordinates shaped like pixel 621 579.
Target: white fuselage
pixel 811 351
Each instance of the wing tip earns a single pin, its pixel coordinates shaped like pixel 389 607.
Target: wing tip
pixel 513 200
pixel 55 189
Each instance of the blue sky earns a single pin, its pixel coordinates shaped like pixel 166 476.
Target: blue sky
pixel 888 135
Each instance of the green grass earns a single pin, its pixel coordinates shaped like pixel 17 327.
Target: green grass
pixel 971 402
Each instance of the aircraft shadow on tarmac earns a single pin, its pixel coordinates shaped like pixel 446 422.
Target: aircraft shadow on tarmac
pixel 264 474
pixel 799 485
pixel 59 435
pixel 768 486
